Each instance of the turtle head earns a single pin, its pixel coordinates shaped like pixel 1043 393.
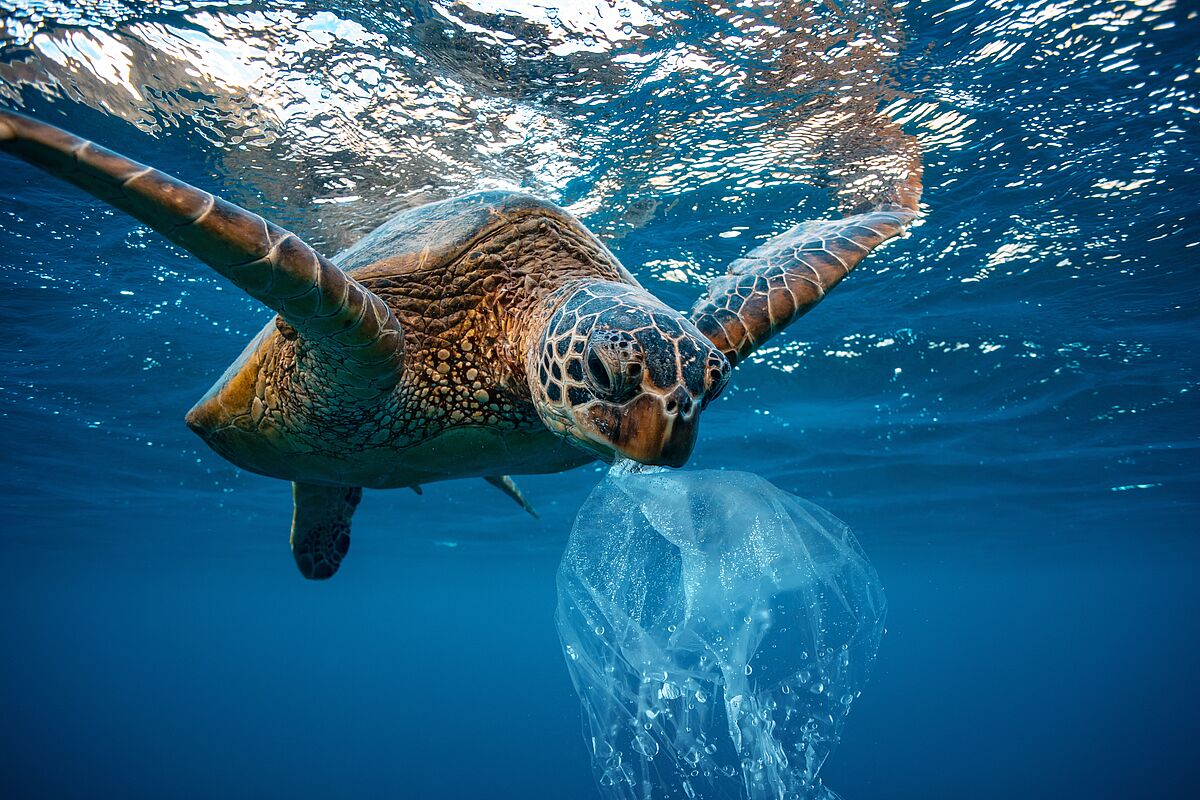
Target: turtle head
pixel 622 375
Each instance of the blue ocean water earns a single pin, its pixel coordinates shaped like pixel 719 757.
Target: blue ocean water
pixel 1002 405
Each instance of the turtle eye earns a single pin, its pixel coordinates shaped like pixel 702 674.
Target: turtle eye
pixel 612 377
pixel 718 379
pixel 598 372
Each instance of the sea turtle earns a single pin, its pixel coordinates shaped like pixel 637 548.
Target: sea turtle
pixel 481 336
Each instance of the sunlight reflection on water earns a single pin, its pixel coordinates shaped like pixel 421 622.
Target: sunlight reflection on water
pixel 401 105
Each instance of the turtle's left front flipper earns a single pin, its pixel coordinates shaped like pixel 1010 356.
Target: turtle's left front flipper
pixel 321 527
pixel 782 279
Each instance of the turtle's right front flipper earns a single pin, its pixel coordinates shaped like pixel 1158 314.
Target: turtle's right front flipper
pixel 334 313
pixel 782 279
pixel 321 527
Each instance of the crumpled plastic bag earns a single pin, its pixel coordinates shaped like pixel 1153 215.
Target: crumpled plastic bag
pixel 718 630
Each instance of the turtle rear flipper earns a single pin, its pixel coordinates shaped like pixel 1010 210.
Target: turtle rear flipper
pixel 506 484
pixel 334 313
pixel 321 527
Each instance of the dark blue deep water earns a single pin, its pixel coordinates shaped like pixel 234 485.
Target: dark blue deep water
pixel 1003 405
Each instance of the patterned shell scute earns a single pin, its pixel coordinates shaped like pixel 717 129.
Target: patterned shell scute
pixel 471 279
pixel 438 232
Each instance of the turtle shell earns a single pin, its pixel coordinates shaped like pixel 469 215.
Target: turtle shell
pixel 472 280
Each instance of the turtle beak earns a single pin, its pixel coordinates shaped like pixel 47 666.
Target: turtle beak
pixel 651 430
pixel 676 445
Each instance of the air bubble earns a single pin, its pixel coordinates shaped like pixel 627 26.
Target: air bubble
pixel 644 743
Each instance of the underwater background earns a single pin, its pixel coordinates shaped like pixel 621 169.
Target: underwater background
pixel 1003 405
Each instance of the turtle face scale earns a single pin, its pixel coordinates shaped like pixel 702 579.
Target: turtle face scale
pixel 621 374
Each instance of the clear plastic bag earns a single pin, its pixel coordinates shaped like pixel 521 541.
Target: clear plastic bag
pixel 718 630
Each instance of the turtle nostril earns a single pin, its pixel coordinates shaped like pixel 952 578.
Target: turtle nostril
pixel 671 406
pixel 686 407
